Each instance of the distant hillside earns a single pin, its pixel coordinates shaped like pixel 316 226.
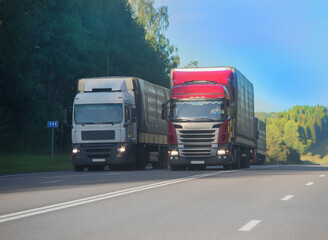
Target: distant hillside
pixel 302 130
pixel 318 153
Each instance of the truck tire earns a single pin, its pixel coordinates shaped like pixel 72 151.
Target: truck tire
pixel 245 161
pixel 236 158
pixel 142 157
pixel 132 165
pixel 163 158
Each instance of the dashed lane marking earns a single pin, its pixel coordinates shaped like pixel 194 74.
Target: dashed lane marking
pixel 249 226
pixel 288 197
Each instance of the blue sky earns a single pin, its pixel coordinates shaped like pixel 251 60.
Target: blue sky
pixel 280 46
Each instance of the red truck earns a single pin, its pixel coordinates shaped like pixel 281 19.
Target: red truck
pixel 211 118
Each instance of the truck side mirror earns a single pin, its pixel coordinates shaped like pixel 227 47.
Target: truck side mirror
pixel 67 116
pixel 164 111
pixel 257 134
pixel 233 111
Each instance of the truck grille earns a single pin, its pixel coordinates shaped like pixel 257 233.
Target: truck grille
pixel 98 135
pixel 196 143
pixel 98 150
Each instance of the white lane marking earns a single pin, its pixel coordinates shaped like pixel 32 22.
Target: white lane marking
pixel 309 184
pixel 55 207
pixel 55 181
pixel 322 175
pixel 109 174
pixel 263 167
pixel 249 226
pixel 288 197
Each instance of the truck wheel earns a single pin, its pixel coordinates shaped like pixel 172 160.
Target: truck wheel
pixel 163 158
pixel 142 157
pixel 245 161
pixel 132 165
pixel 236 158
pixel 78 168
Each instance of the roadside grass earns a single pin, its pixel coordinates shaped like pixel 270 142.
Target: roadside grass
pixel 320 148
pixel 23 163
pixel 318 153
pixel 316 159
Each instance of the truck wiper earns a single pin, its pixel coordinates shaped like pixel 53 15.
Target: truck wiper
pixel 87 123
pixel 106 123
pixel 206 119
pixel 97 123
pixel 199 81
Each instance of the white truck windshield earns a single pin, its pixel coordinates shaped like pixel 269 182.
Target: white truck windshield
pixel 98 113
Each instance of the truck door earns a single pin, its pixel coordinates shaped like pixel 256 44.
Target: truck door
pixel 128 122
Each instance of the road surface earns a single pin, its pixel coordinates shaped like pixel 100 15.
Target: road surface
pixel 263 202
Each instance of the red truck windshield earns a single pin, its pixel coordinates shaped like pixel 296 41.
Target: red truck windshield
pixel 197 111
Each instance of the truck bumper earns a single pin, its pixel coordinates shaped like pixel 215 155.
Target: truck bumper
pixel 217 160
pixel 211 161
pixel 101 154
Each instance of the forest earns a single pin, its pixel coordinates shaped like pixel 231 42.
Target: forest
pixel 46 45
pixel 300 131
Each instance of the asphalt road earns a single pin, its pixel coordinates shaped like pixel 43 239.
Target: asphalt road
pixel 264 202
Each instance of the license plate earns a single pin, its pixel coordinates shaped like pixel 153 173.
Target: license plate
pixel 98 160
pixel 197 162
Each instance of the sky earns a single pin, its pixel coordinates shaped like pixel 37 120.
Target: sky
pixel 281 46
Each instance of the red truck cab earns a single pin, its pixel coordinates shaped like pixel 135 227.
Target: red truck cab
pixel 202 114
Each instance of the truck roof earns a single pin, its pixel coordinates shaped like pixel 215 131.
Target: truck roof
pixel 212 74
pixel 114 83
pixel 196 91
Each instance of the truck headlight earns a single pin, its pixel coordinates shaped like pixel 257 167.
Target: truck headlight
pixel 174 153
pixel 121 149
pixel 75 150
pixel 221 152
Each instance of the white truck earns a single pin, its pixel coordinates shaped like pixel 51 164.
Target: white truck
pixel 117 123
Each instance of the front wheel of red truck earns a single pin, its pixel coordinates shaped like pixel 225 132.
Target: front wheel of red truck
pixel 235 158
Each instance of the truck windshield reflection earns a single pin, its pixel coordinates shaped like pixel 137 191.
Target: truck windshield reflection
pixel 98 113
pixel 198 111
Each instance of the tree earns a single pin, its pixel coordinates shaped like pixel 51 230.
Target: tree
pixel 155 22
pixel 45 46
pixel 192 64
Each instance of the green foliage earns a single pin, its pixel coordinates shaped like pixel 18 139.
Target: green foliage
pixel 20 163
pixel 192 64
pixel 155 22
pixel 296 132
pixel 45 46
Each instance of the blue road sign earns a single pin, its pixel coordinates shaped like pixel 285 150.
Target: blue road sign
pixel 52 124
